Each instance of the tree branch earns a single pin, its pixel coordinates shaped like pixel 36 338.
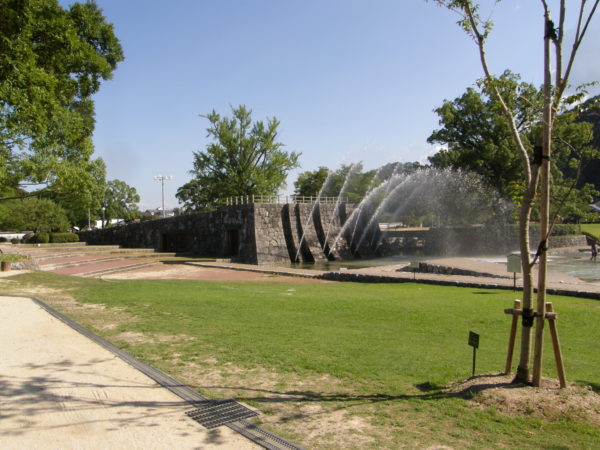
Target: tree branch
pixel 480 40
pixel 581 30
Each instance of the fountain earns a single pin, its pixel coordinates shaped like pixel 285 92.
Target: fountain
pixel 431 210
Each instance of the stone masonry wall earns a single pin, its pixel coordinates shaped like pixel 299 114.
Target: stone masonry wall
pixel 271 245
pixel 227 232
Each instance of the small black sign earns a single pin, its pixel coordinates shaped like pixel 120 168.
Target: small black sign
pixel 473 339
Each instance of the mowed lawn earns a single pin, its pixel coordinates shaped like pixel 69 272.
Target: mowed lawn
pixel 592 228
pixel 375 356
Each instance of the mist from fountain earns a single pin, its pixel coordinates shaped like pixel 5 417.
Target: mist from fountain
pixel 323 189
pixel 337 205
pixel 443 198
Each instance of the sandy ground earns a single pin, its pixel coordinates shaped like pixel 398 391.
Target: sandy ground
pixel 59 390
pixel 204 273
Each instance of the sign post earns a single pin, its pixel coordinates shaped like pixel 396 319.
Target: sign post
pixel 415 266
pixel 513 264
pixel 474 342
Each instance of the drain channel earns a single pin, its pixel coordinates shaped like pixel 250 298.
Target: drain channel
pixel 247 429
pixel 213 414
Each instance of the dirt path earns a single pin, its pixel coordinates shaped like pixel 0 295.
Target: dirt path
pixel 58 389
pixel 203 273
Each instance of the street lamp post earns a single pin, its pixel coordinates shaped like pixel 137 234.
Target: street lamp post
pixel 162 179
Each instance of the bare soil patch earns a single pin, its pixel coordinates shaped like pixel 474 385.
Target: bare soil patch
pixel 547 402
pixel 290 403
pixel 188 272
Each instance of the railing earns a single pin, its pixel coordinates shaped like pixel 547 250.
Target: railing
pixel 281 199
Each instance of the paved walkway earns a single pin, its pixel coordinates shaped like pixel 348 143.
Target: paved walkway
pixel 556 282
pixel 60 390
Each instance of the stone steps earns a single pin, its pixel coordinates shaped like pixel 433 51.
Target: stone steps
pixel 78 261
pixel 105 268
pixel 88 261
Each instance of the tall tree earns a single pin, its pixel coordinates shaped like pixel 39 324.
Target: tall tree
pixel 477 139
pixel 120 201
pixel 244 158
pixel 309 183
pixel 537 167
pixel 52 61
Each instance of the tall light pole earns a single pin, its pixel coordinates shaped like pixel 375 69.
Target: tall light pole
pixel 162 179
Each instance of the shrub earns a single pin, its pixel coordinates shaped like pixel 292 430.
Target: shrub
pixel 10 257
pixel 59 238
pixel 566 229
pixel 14 241
pixel 40 238
pixel 3 239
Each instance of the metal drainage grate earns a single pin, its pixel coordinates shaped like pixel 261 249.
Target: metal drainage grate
pixel 212 414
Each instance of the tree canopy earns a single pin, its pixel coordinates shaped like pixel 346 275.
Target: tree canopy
pixel 349 181
pixel 310 182
pixel 244 158
pixel 478 139
pixel 32 214
pixel 120 201
pixel 52 61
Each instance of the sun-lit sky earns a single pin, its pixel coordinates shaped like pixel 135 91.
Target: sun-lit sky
pixel 350 80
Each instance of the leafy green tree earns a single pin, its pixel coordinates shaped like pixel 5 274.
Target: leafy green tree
pixel 309 183
pixel 244 158
pixel 33 214
pixel 87 196
pixel 348 181
pixel 479 140
pixel 589 112
pixel 52 61
pixel 120 201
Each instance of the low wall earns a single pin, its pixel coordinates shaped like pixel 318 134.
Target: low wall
pixel 284 233
pixel 252 234
pixel 227 232
pixel 465 241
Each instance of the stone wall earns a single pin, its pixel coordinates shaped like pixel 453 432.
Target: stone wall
pixel 297 232
pixel 253 234
pixel 284 233
pixel 271 243
pixel 227 232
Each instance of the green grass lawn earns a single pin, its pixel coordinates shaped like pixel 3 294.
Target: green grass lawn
pixel 376 354
pixel 592 228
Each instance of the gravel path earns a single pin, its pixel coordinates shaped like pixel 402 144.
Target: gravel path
pixel 59 390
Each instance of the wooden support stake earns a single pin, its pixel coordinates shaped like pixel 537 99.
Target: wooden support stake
pixel 512 337
pixel 551 316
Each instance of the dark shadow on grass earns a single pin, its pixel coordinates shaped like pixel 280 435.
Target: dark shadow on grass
pixel 430 392
pixel 595 386
pixel 428 387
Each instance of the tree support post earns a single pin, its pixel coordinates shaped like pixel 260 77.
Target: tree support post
pixel 512 337
pixel 552 317
pixel 560 368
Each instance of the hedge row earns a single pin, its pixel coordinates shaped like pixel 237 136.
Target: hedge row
pixel 54 238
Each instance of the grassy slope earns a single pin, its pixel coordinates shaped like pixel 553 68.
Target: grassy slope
pixel 592 228
pixel 382 341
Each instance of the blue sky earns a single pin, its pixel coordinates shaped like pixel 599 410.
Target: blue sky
pixel 349 80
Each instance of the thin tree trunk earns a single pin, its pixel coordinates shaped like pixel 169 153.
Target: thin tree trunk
pixel 544 205
pixel 522 375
